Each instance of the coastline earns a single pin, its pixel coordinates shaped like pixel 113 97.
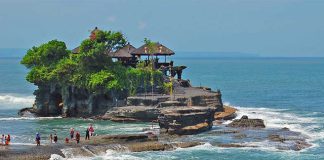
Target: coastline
pixel 98 145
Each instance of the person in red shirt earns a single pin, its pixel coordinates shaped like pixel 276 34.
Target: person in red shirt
pixel 77 137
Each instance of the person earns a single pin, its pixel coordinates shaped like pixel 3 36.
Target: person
pixel 87 134
pixel 77 137
pixel 91 130
pixel 3 139
pixel 51 138
pixel 8 139
pixel 72 133
pixel 38 139
pixel 66 140
pixel 55 138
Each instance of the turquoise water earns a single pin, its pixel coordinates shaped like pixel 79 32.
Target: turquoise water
pixel 285 92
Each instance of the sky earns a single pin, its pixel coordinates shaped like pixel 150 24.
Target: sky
pixel 289 28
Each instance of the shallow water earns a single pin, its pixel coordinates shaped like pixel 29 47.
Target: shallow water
pixel 285 92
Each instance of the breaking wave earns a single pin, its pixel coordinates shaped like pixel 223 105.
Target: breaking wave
pixel 10 99
pixel 279 118
pixel 27 118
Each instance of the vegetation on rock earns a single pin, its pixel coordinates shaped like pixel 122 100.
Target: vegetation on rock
pixel 91 68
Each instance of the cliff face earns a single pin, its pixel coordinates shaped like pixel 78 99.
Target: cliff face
pixel 55 100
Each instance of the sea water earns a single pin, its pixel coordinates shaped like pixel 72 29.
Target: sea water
pixel 285 92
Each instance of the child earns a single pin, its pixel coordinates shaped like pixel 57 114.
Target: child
pixel 66 140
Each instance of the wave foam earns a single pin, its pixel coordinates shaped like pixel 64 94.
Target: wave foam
pixel 27 118
pixel 279 118
pixel 10 99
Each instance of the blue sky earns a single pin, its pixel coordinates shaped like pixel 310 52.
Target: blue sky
pixel 264 27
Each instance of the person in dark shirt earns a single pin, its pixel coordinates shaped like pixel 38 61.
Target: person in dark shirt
pixel 38 139
pixel 55 138
pixel 87 134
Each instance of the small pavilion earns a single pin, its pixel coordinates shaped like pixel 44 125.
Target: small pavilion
pixel 158 51
pixel 124 55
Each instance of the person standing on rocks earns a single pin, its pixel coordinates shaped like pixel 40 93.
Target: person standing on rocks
pixel 77 137
pixel 87 137
pixel 38 139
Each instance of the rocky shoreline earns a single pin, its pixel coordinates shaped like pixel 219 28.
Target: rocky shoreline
pixel 242 132
pixel 189 111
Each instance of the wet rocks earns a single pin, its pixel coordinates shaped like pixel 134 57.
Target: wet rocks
pixel 186 120
pixel 27 112
pixel 129 138
pixel 228 114
pixel 234 145
pixel 245 122
pixel 159 146
pixel 220 132
pixel 132 114
pixel 295 143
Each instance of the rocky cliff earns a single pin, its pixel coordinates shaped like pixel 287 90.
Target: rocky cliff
pixel 55 100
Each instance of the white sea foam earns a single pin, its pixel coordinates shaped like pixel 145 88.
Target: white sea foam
pixel 12 99
pixel 111 154
pixel 279 118
pixel 27 118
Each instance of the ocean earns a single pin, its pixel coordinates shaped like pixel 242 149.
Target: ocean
pixel 285 92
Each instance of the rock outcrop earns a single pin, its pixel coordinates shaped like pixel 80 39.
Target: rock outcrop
pixel 148 107
pixel 186 120
pixel 55 100
pixel 245 122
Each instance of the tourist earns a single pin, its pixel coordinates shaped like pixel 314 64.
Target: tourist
pixel 38 139
pixel 77 137
pixel 87 134
pixel 51 138
pixel 72 133
pixel 3 139
pixel 55 138
pixel 66 140
pixel 8 140
pixel 91 130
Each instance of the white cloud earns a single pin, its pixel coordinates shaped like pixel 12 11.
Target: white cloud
pixel 141 25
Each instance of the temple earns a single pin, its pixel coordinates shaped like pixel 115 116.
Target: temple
pixel 131 56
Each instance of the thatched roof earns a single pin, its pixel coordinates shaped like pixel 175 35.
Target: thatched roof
pixel 159 49
pixel 124 52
